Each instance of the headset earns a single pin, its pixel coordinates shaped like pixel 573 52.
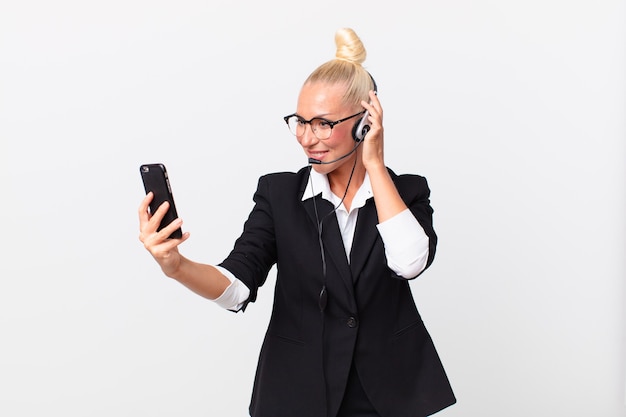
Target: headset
pixel 359 131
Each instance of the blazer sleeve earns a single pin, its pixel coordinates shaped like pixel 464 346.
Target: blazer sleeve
pixel 254 252
pixel 416 195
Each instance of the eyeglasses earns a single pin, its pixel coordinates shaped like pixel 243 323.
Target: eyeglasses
pixel 321 128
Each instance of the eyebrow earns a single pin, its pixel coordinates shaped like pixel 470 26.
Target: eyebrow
pixel 324 116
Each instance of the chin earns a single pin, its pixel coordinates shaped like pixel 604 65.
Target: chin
pixel 323 168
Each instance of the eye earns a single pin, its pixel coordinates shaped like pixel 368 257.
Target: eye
pixel 322 123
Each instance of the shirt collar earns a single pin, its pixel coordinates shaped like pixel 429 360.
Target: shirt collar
pixel 318 184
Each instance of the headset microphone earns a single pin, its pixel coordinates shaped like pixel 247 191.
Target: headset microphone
pixel 318 162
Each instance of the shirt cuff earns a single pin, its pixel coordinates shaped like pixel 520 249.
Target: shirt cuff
pixel 406 244
pixel 235 295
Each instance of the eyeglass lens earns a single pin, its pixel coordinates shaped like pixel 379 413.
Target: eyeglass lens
pixel 320 127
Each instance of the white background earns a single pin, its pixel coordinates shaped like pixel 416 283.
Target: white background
pixel 513 110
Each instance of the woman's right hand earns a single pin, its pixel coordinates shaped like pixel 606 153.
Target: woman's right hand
pixel 163 249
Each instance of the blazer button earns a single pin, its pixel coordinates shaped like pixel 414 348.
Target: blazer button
pixel 352 322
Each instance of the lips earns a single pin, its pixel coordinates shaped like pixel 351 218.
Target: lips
pixel 317 154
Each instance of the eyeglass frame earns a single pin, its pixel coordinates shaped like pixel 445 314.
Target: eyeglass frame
pixel 330 122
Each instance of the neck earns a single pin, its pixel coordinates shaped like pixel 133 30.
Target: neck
pixel 340 181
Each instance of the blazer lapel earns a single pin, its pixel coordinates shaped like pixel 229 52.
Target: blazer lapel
pixel 365 236
pixel 331 237
pixel 333 241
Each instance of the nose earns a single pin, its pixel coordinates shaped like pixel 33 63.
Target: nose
pixel 308 138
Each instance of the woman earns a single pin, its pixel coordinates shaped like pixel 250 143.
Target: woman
pixel 345 338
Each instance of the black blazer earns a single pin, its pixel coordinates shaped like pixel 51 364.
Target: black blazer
pixel 370 317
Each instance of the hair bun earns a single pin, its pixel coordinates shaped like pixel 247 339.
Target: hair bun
pixel 349 46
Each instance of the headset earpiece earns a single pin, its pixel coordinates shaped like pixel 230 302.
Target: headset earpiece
pixel 360 129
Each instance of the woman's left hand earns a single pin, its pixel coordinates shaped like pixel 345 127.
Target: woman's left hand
pixel 373 143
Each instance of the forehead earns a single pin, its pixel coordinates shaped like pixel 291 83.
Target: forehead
pixel 321 99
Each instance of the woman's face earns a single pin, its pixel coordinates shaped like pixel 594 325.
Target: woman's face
pixel 325 101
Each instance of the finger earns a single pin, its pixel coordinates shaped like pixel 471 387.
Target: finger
pixel 150 222
pixel 374 98
pixel 374 117
pixel 143 207
pixel 155 218
pixel 372 109
pixel 374 106
pixel 160 242
pixel 170 228
pixel 162 209
pixel 165 248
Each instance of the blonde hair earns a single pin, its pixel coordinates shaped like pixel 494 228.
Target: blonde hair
pixel 346 68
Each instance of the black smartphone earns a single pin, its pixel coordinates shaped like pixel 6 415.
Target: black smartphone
pixel 155 179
